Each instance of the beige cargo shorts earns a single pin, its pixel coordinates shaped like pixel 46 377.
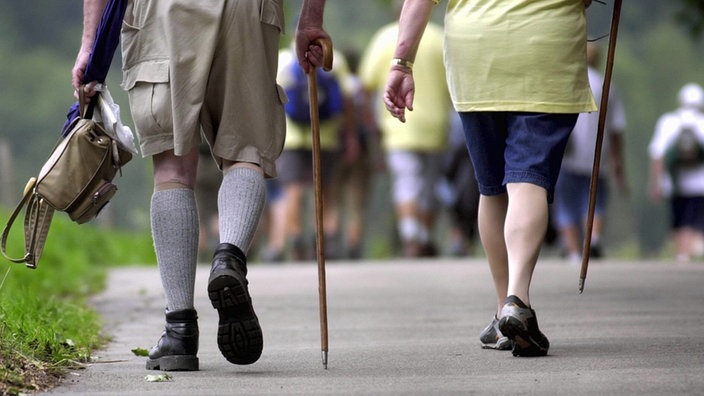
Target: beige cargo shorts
pixel 206 66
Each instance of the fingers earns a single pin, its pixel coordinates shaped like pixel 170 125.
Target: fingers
pixel 396 107
pixel 399 93
pixel 89 90
pixel 314 58
pixel 310 55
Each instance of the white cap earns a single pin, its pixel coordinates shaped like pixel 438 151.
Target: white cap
pixel 691 95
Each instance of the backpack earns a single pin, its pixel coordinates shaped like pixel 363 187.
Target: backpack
pixel 330 100
pixel 686 150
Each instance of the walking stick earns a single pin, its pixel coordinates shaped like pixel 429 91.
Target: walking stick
pixel 603 108
pixel 326 45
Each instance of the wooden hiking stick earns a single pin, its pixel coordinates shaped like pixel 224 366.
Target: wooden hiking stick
pixel 603 108
pixel 326 45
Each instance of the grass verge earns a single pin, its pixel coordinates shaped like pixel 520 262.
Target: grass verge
pixel 46 324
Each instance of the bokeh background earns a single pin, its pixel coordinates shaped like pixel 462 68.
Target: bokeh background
pixel 658 51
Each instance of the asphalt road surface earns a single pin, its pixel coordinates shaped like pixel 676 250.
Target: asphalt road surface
pixel 410 327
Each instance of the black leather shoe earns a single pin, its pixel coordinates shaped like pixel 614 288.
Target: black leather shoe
pixel 177 348
pixel 239 334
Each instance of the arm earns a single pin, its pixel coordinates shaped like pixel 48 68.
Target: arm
pixel 617 162
pixel 309 29
pixel 92 13
pixel 657 168
pixel 657 151
pixel 400 87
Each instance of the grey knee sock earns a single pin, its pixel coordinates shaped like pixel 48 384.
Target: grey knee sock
pixel 174 219
pixel 240 204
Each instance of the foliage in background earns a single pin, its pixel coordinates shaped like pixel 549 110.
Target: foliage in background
pixel 691 15
pixel 656 55
pixel 45 327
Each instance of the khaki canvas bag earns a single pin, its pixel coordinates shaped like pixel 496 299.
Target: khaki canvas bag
pixel 76 179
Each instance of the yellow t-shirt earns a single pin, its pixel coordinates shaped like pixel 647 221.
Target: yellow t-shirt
pixel 518 55
pixel 426 127
pixel 299 136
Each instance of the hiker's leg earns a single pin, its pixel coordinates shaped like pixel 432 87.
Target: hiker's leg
pixel 174 223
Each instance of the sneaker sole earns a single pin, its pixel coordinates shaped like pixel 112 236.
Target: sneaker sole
pixel 239 334
pixel 523 343
pixel 502 344
pixel 174 363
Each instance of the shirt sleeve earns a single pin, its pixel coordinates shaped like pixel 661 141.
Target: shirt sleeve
pixel 664 131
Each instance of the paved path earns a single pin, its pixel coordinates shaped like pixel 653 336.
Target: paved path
pixel 411 328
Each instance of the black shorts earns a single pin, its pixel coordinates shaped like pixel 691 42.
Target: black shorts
pixel 296 166
pixel 688 212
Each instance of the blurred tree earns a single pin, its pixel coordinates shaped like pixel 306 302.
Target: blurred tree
pixel 691 15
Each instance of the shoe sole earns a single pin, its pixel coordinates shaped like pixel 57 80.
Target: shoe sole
pixel 523 343
pixel 502 344
pixel 174 363
pixel 239 334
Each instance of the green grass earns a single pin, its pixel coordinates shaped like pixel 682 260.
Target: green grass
pixel 46 323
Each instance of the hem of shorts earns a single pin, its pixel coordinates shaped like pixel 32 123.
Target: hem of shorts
pixel 518 177
pixel 156 145
pixel 251 155
pixel 527 177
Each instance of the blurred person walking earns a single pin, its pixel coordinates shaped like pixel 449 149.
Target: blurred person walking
pixel 414 150
pixel 356 164
pixel 295 172
pixel 458 191
pixel 518 88
pixel 676 153
pixel 572 190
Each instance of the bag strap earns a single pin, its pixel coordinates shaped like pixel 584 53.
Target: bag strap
pixel 36 229
pixel 28 192
pixel 37 220
pixel 84 111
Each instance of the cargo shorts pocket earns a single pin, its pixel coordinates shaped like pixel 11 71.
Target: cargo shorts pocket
pixel 272 13
pixel 149 93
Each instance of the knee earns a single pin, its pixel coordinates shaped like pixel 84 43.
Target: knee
pixel 166 178
pixel 172 171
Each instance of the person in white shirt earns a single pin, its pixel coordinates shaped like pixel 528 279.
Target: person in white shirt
pixel 682 184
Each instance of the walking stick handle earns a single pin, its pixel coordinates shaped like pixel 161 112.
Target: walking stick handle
pixel 326 45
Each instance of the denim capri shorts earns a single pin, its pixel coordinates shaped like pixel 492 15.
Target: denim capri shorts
pixel 516 147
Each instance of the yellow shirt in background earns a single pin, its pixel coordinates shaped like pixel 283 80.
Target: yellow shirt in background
pixel 426 127
pixel 518 55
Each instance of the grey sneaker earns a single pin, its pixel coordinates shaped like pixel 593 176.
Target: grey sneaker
pixel 491 337
pixel 519 323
